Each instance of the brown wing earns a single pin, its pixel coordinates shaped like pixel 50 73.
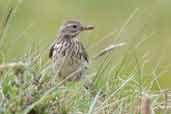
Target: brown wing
pixel 51 51
pixel 84 53
pixel 52 48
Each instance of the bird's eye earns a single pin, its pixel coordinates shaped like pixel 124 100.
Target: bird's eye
pixel 74 26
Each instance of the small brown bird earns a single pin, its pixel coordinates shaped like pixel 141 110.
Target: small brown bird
pixel 68 53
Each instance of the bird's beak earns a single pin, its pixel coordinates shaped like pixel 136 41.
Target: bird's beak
pixel 87 27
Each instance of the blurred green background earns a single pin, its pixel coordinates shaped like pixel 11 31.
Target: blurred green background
pixel 34 23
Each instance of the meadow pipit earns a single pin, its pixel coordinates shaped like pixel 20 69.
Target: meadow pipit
pixel 68 53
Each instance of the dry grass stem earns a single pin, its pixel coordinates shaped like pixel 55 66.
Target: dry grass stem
pixel 13 65
pixel 109 49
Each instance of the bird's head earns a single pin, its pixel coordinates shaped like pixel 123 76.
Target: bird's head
pixel 72 28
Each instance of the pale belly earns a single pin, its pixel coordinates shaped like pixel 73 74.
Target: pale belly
pixel 70 67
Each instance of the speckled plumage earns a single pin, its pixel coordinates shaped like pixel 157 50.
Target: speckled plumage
pixel 68 53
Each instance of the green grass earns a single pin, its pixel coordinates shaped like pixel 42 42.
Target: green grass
pixel 119 85
pixel 114 89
